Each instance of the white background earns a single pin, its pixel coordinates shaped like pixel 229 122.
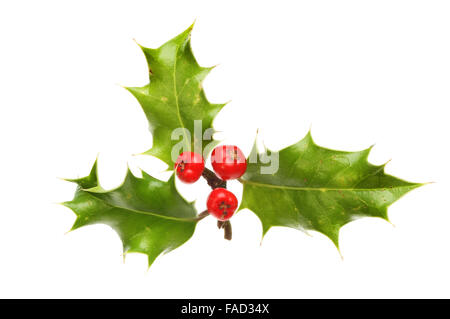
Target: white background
pixel 358 72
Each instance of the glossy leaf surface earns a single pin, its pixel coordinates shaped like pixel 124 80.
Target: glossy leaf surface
pixel 175 98
pixel 319 189
pixel 148 214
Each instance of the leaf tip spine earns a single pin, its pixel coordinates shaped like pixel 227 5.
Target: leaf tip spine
pixel 192 26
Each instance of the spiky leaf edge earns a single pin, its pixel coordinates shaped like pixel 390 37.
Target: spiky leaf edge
pixel 335 240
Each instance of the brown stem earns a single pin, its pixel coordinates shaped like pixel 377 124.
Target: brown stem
pixel 213 180
pixel 226 225
pixel 227 234
pixel 202 215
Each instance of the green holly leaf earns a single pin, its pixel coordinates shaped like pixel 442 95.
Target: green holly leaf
pixel 318 189
pixel 175 98
pixel 148 214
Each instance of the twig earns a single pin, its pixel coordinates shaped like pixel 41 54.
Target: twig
pixel 213 180
pixel 202 215
pixel 227 230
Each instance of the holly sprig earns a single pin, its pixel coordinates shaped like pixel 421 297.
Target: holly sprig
pixel 310 188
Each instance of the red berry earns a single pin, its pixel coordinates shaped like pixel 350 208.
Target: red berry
pixel 189 167
pixel 228 162
pixel 222 204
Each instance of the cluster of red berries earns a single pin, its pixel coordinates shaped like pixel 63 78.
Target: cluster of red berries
pixel 228 162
